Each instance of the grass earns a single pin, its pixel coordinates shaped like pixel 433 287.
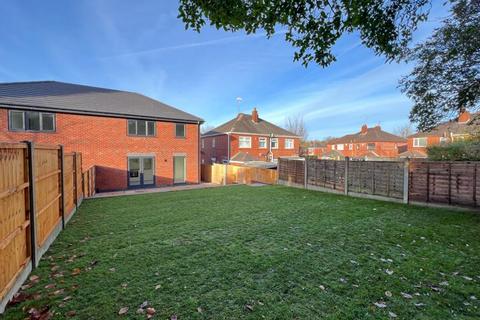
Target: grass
pixel 260 252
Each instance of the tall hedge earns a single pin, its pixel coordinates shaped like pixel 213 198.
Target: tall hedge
pixel 455 151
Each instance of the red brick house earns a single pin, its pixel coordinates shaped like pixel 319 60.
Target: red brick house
pixel 316 149
pixel 368 144
pixel 248 138
pixel 133 140
pixel 460 128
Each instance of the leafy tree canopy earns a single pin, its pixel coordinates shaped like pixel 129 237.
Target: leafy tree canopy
pixel 446 76
pixel 314 26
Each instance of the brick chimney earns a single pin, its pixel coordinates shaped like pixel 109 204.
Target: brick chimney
pixel 464 116
pixel 255 115
pixel 364 129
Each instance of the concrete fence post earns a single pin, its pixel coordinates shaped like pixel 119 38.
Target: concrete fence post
pixel 406 172
pixel 347 161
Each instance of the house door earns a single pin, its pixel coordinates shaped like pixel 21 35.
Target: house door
pixel 178 169
pixel 141 171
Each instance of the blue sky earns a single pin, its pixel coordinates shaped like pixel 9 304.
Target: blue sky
pixel 141 46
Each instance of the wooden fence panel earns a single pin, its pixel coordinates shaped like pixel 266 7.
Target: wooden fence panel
pixel 217 173
pixel 88 182
pixel 69 176
pixel 291 171
pixel 444 182
pixel 47 191
pixel 79 178
pixel 14 218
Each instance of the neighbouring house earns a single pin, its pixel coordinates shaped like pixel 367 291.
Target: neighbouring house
pixel 461 128
pixel 248 138
pixel 316 149
pixel 132 140
pixel 368 144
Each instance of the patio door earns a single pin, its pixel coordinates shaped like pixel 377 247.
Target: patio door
pixel 179 169
pixel 141 171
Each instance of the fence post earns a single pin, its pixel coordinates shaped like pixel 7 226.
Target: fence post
pixel 225 174
pixel 62 182
pixel 31 202
pixel 347 161
pixel 75 193
pixel 305 173
pixel 406 172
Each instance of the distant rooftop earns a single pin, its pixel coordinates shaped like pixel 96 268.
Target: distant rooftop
pixel 74 98
pixel 375 134
pixel 245 123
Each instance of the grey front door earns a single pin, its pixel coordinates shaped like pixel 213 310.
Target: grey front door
pixel 178 169
pixel 141 171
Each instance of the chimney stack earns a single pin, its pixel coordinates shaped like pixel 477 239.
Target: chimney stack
pixel 364 129
pixel 255 115
pixel 464 116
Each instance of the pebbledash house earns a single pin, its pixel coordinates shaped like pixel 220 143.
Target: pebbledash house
pixel 248 139
pixel 132 140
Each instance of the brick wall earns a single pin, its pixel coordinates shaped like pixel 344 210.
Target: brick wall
pixel 220 152
pixel 383 149
pixel 104 142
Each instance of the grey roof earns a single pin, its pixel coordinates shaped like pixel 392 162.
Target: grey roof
pixel 375 134
pixel 452 127
pixel 243 123
pixel 243 157
pixel 74 98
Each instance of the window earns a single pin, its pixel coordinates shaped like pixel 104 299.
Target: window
pixel 245 142
pixel 213 143
pixel 274 143
pixel 180 130
pixel 443 140
pixel 350 146
pixel 419 142
pixel 31 121
pixel 288 143
pixel 262 143
pixel 370 146
pixel 203 143
pixel 340 147
pixel 141 128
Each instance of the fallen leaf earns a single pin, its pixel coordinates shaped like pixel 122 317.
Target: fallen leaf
pixel 173 317
pixel 199 310
pixel 124 285
pixel 150 311
pixel 26 286
pixel 444 283
pixel 50 286
pixel 467 278
pixel 19 297
pixel 406 295
pixel 419 304
pixel 76 271
pixel 322 287
pixel 123 311
pixel 158 286
pixel 391 314
pixel 389 272
pixel 34 278
pixel 144 305
pixel 67 298
pixel 71 313
pixel 249 307
pixel 388 293
pixel 380 304
pixel 58 292
pixel 112 269
pixel 140 311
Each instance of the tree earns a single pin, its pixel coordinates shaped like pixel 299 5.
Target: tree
pixel 446 76
pixel 404 130
pixel 205 128
pixel 314 26
pixel 296 125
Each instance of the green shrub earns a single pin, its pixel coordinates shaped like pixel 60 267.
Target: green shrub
pixel 455 151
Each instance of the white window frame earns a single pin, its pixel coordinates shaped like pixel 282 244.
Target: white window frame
pixel 244 142
pixel 289 144
pixel 203 143
pixel 262 140
pixel 340 146
pixel 274 140
pixel 213 142
pixel 146 128
pixel 350 146
pixel 417 144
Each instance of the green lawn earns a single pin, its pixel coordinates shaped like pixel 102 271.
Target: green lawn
pixel 245 252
